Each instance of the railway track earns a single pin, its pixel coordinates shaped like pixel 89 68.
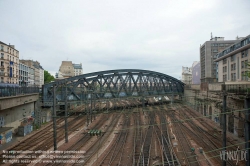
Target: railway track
pixel 210 142
pixel 94 148
pixel 169 157
pixel 48 139
pixel 146 147
pixel 114 155
pixel 137 139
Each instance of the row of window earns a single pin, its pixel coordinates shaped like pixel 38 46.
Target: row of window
pixel 11 51
pixel 244 76
pixel 233 66
pixel 235 47
pixel 9 57
pixel 220 44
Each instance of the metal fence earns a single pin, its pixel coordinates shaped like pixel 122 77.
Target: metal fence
pixel 14 91
pixel 238 88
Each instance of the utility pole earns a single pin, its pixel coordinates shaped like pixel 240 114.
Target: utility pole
pixel 224 122
pixel 90 106
pixel 247 127
pixel 54 116
pixel 66 114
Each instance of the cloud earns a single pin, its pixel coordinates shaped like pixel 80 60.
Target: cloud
pixel 157 35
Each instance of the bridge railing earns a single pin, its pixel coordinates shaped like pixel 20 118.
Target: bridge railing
pixel 15 91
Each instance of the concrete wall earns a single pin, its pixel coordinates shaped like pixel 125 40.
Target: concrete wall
pixel 209 104
pixel 195 86
pixel 215 86
pixel 14 101
pixel 14 116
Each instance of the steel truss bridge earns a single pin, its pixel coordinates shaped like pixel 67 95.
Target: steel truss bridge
pixel 111 84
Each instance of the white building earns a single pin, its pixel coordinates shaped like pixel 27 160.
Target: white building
pixel 186 75
pixel 231 62
pixel 77 69
pixel 31 77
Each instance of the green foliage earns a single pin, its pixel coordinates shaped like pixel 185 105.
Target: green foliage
pixel 247 73
pixel 48 77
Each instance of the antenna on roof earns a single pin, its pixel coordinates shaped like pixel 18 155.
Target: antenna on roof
pixel 211 35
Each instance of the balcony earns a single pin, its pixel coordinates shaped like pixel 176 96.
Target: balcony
pixel 2 74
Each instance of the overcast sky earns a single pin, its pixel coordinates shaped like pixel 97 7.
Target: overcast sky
pixel 157 35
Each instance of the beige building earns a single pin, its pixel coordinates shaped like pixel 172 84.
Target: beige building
pixel 9 65
pixel 232 62
pixel 66 70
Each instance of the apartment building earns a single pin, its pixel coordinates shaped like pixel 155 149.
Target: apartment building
pixel 38 71
pixel 232 61
pixel 77 69
pixel 186 75
pixel 208 52
pixel 9 64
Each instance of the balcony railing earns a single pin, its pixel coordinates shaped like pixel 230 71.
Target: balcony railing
pixel 238 88
pixel 15 91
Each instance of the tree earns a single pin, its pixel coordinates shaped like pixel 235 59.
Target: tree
pixel 48 77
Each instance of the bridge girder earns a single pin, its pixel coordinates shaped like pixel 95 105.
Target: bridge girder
pixel 112 84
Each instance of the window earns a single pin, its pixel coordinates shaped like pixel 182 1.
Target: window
pixel 244 76
pixel 224 61
pixel 215 50
pixel 246 64
pixel 2 55
pixel 233 76
pixel 233 66
pixel 242 64
pixel 221 45
pixel 233 58
pixel 224 77
pixel 1 47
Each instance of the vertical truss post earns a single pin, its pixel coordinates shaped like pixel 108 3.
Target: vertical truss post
pixel 87 104
pixel 54 116
pixel 224 143
pixel 247 128
pixel 66 115
pixel 94 105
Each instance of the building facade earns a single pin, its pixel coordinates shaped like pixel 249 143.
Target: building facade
pixel 9 64
pixel 77 69
pixel 186 75
pixel 208 52
pixel 66 70
pixel 38 71
pixel 232 62
pixel 23 75
pixel 31 77
pixel 196 73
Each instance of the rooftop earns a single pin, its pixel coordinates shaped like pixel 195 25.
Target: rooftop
pixel 238 46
